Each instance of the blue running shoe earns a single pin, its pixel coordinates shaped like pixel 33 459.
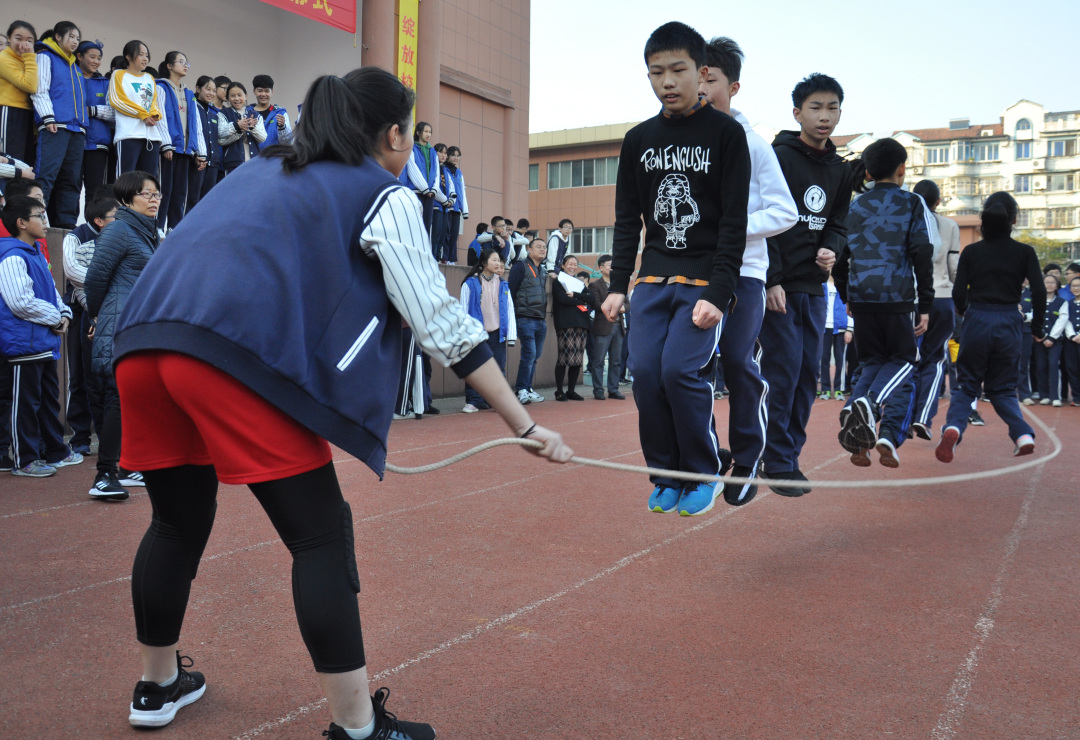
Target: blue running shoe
pixel 664 499
pixel 699 498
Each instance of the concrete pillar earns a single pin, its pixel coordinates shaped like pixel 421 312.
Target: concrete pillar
pixel 428 61
pixel 510 204
pixel 378 33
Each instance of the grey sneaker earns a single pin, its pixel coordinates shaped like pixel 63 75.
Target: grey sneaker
pixel 534 396
pixel 73 458
pixel 36 469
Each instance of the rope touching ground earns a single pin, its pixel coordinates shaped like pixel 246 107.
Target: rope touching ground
pixel 698 477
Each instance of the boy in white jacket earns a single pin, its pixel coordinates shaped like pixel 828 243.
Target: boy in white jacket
pixel 771 211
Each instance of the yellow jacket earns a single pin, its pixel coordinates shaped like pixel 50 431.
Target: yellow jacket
pixel 18 78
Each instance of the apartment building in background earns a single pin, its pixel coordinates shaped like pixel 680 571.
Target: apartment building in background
pixel 1030 152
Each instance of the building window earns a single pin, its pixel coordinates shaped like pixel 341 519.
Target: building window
pixel 582 173
pixel 937 155
pixel 1023 150
pixel 1023 125
pixel 976 151
pixel 592 240
pixel 1022 183
pixel 1023 218
pixel 1061 147
pixel 1060 218
pixel 534 177
pixel 1060 182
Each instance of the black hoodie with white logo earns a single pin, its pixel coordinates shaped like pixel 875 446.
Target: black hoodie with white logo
pixel 820 183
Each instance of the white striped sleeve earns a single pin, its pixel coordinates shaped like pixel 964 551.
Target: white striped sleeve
pixel 396 236
pixel 42 102
pixel 17 290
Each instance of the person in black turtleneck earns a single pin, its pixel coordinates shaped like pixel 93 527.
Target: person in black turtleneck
pixel 989 281
pixel 799 261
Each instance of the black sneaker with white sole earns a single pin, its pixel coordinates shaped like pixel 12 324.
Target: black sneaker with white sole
pixel 156 706
pixel 107 487
pixel 740 494
pixel 131 478
pixel 860 425
pixel 922 431
pixel 387 725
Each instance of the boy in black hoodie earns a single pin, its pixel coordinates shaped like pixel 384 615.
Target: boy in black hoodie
pixel 686 174
pixel 799 261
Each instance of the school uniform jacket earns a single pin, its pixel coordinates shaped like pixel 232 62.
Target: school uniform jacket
pixel 422 174
pixel 274 135
pixel 344 253
pixel 189 140
pixel 29 304
pixel 820 183
pixel 771 209
pixel 1067 322
pixel 99 131
pixel 211 119
pixel 461 205
pixel 238 146
pixel 471 290
pixel 135 98
pixel 61 95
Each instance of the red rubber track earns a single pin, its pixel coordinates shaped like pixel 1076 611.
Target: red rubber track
pixel 506 597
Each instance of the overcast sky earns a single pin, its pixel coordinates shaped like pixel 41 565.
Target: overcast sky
pixel 902 65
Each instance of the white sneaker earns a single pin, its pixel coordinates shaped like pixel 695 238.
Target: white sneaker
pixel 1056 404
pixel 130 478
pixel 1028 402
pixel 469 409
pixel 1044 402
pixel 534 396
pixel 524 398
pixel 1025 445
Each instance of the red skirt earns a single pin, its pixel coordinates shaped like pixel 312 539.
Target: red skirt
pixel 177 410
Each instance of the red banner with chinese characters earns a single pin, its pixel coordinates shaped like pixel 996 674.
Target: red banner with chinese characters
pixel 337 13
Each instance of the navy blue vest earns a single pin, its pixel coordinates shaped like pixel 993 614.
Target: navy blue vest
pixel 293 309
pixel 210 117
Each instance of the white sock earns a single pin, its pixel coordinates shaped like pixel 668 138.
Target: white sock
pixel 165 683
pixel 363 732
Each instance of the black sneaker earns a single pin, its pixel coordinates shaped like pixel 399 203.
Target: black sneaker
pixel 740 494
pixel 860 425
pixel 6 464
pixel 387 725
pixel 725 460
pixel 156 706
pixel 975 419
pixel 791 491
pixel 131 478
pixel 107 487
pixel 922 431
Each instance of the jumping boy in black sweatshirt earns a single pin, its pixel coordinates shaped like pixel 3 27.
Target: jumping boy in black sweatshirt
pixel 686 173
pixel 799 260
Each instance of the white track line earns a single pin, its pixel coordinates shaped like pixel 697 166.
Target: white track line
pixel 956 700
pixel 505 618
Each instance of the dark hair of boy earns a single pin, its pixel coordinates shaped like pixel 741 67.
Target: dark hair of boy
pixel 130 183
pixel 676 36
pixel 566 221
pixel 522 224
pixel 263 81
pixel 883 158
pixel 221 80
pixel 240 85
pixel 497 221
pixel 18 207
pixel 602 259
pixel 1046 269
pixel 419 129
pixel 481 228
pixel 451 151
pixel 724 54
pixel 929 192
pixel 344 117
pixel 20 187
pixel 815 83
pixel 1073 267
pixel 99 208
pixel 998 214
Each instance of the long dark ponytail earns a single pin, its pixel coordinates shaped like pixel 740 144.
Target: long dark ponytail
pixel 163 68
pixel 998 215
pixel 344 118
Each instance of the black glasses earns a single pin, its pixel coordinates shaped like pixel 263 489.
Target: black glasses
pixel 149 195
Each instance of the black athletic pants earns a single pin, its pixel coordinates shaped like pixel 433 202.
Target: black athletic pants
pixel 313 520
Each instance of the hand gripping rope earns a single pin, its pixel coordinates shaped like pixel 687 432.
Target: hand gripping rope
pixel 939 480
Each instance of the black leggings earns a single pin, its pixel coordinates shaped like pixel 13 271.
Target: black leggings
pixel 314 522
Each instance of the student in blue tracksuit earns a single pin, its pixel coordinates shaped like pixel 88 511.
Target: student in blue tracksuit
pixel 99 133
pixel 61 116
pixel 839 330
pixel 440 221
pixel 486 297
pixel 275 118
pixel 210 118
pixel 771 211
pixel 1046 357
pixel 459 209
pixel 241 130
pixel 183 158
pixel 341 247
pixel 421 173
pixel 989 279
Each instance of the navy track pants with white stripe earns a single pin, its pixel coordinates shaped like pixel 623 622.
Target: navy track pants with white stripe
pixel 748 404
pixel 672 361
pixel 888 354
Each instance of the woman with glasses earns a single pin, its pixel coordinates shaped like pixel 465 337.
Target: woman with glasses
pixel 184 154
pixel 141 128
pixel 121 251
